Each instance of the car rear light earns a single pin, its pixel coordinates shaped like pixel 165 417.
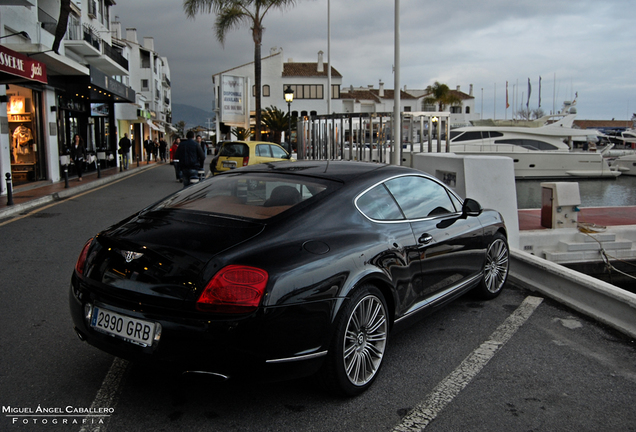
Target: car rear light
pixel 246 160
pixel 81 261
pixel 235 289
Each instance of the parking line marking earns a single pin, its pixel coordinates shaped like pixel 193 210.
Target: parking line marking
pixel 426 411
pixel 107 395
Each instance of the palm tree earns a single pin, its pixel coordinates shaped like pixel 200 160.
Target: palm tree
pixel 62 24
pixel 276 121
pixel 241 134
pixel 231 14
pixel 440 95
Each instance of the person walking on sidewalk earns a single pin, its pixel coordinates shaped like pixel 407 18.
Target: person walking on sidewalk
pixel 191 158
pixel 78 155
pixel 124 147
pixel 148 146
pixel 163 145
pixel 173 158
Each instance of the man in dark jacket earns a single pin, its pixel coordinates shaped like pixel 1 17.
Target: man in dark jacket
pixel 191 158
pixel 124 147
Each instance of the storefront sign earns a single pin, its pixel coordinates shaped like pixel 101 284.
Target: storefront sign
pixel 103 81
pixel 20 65
pixel 233 110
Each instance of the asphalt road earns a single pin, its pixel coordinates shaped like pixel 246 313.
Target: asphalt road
pixel 517 363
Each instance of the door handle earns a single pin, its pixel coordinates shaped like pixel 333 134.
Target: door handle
pixel 425 239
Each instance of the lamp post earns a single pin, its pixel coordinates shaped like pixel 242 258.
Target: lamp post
pixel 289 98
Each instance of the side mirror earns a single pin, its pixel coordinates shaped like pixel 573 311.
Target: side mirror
pixel 471 208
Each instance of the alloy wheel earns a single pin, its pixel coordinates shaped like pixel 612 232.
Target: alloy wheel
pixel 496 268
pixel 365 340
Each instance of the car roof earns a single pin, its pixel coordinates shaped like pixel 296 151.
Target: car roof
pixel 342 171
pixel 249 143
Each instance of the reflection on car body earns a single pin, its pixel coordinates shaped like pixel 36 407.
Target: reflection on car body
pixel 283 270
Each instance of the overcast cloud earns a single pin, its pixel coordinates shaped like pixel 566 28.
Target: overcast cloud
pixel 588 45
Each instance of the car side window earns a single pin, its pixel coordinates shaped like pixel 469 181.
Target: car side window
pixel 420 197
pixel 278 152
pixel 378 204
pixel 263 150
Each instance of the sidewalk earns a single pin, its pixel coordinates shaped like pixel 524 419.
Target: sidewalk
pixel 32 195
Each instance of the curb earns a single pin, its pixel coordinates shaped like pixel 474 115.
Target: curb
pixel 597 299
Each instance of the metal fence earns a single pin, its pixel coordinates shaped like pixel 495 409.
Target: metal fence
pixel 360 136
pixel 368 136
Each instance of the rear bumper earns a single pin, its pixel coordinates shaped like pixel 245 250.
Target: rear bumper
pixel 269 345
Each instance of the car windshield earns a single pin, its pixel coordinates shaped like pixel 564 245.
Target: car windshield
pixel 248 195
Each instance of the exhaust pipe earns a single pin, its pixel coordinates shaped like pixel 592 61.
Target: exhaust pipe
pixel 80 335
pixel 215 375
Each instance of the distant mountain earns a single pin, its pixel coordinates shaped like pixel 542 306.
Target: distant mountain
pixel 191 115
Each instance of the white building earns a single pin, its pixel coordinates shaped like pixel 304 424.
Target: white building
pixel 308 80
pixel 371 100
pixel 47 97
pixel 149 76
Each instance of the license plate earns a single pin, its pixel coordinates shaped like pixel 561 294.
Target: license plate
pixel 133 330
pixel 229 164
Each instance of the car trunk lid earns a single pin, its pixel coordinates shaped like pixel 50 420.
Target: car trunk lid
pixel 159 257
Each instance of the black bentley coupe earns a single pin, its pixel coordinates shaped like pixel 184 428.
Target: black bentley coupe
pixel 284 270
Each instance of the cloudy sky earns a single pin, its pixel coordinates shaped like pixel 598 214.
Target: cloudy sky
pixel 579 47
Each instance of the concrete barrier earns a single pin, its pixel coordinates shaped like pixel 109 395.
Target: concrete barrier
pixel 597 299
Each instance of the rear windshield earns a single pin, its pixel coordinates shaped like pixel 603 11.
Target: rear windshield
pixel 247 195
pixel 235 150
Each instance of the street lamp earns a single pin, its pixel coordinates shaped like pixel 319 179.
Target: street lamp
pixel 289 98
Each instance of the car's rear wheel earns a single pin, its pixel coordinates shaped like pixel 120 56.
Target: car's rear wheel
pixel 495 268
pixel 359 344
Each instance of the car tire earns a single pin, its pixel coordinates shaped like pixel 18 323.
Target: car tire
pixel 496 267
pixel 359 343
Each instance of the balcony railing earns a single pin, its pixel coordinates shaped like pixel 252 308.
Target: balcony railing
pixel 115 56
pixel 47 22
pixel 92 38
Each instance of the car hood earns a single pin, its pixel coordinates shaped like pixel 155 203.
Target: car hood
pixel 163 254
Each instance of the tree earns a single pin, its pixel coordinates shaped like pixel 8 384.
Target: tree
pixel 230 14
pixel 440 95
pixel 241 134
pixel 529 114
pixel 180 125
pixel 62 24
pixel 276 121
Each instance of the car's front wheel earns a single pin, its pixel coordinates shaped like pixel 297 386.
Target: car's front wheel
pixel 495 268
pixel 359 344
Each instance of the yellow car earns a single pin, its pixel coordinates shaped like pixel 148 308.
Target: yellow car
pixel 236 154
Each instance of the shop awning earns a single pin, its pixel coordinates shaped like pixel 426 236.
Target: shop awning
pixel 154 126
pixel 16 64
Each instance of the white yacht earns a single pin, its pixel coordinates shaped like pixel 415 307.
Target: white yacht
pixel 544 151
pixel 626 164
